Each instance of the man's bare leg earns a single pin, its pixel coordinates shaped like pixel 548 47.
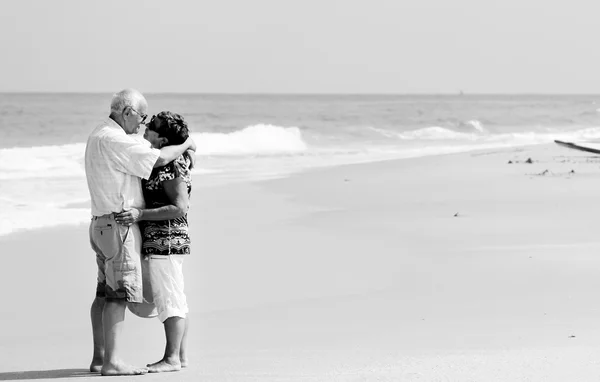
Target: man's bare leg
pixel 114 319
pixel 183 349
pixel 174 328
pixel 98 334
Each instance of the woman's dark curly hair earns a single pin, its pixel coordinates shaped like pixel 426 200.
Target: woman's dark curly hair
pixel 171 126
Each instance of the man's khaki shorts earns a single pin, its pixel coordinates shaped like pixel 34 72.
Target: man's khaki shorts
pixel 118 251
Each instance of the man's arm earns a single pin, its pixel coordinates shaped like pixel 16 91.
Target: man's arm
pixel 170 153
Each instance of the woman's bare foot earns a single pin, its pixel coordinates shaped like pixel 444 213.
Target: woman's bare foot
pixel 183 358
pixel 121 369
pixel 163 366
pixel 96 365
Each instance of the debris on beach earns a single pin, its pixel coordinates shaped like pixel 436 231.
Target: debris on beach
pixel 550 173
pixel 456 215
pixel 529 160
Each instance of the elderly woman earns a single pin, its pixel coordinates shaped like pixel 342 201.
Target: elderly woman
pixel 165 236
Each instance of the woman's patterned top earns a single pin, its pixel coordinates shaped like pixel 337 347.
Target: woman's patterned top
pixel 166 237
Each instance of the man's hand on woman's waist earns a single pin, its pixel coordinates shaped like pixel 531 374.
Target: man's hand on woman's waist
pixel 129 216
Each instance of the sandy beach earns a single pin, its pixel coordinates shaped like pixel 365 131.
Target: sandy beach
pixel 467 267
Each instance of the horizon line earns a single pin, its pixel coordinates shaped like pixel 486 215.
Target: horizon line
pixel 458 94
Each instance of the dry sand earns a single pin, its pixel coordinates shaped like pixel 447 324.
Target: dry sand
pixel 450 268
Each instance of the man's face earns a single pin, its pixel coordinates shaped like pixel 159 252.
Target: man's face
pixel 134 117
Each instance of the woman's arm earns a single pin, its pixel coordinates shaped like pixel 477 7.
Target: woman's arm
pixel 176 190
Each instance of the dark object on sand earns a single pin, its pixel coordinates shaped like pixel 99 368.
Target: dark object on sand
pixel 528 160
pixel 584 146
pixel 509 162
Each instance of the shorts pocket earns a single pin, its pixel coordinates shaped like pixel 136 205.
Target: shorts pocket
pixel 104 229
pixel 128 251
pixel 103 240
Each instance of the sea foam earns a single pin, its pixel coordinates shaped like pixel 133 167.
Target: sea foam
pixel 256 139
pixel 37 184
pixel 68 160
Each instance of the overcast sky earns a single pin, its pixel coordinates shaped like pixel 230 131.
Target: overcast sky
pixel 301 46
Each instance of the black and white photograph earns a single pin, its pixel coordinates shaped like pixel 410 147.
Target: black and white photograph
pixel 300 191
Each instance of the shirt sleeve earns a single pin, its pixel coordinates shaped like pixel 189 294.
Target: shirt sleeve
pixel 179 168
pixel 131 156
pixel 166 172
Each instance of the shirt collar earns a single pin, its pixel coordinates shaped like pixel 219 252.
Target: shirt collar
pixel 112 123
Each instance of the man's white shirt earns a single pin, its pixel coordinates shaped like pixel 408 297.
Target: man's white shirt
pixel 115 163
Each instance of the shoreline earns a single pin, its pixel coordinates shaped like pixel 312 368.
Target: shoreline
pixel 226 180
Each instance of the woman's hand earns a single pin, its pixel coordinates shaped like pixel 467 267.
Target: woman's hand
pixel 192 156
pixel 129 216
pixel 191 144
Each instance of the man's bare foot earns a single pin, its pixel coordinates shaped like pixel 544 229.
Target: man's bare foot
pixel 121 369
pixel 96 365
pixel 163 366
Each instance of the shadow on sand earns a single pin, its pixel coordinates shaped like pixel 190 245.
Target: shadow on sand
pixel 46 374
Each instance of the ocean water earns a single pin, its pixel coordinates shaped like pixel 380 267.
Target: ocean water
pixel 253 137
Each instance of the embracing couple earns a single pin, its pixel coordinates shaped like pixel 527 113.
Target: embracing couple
pixel 139 193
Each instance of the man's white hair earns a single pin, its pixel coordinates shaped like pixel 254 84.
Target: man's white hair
pixel 125 98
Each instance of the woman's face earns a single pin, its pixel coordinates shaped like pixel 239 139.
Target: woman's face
pixel 152 136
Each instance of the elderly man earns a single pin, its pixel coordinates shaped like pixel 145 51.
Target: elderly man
pixel 115 163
